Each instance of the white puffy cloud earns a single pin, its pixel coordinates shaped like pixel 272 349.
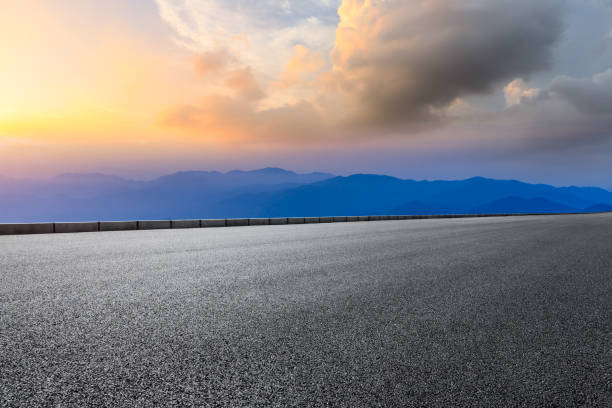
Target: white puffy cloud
pixel 517 91
pixel 260 34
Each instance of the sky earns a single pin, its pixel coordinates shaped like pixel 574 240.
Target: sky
pixel 423 89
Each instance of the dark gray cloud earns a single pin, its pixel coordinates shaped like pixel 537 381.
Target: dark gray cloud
pixel 398 59
pixel 589 95
pixel 551 125
pixel 569 115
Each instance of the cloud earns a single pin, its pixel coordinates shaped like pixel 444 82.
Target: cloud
pixel 397 70
pixel 397 59
pixel 243 83
pixel 391 60
pixel 229 120
pixel 302 64
pixel 589 95
pixel 259 61
pixel 212 62
pixel 259 34
pixel 214 117
pixel 517 91
pixel 568 115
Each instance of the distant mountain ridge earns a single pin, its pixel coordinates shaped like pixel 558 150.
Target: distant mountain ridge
pixel 363 194
pixel 276 192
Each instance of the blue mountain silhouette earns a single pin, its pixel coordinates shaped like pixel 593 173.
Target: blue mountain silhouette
pixel 374 194
pixel 275 192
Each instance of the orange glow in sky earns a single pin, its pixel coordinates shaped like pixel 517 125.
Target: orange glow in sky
pixel 143 87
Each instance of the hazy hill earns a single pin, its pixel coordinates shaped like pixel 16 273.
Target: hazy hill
pixel 191 194
pixel 278 193
pixel 373 194
pixel 236 179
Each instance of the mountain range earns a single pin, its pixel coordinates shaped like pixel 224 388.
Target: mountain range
pixel 274 192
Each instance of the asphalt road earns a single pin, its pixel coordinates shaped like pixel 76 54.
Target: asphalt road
pixel 491 312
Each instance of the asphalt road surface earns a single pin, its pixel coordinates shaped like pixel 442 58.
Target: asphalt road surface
pixel 489 312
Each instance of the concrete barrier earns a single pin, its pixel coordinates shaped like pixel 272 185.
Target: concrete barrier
pixel 68 227
pixel 154 224
pixel 237 222
pixel 259 221
pixel 118 225
pixel 278 221
pixel 27 228
pixel 180 224
pixel 213 223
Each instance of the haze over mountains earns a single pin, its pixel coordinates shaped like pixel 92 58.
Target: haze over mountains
pixel 274 192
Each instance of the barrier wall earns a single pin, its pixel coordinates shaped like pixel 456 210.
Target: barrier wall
pixel 236 222
pixel 118 225
pixel 70 227
pixel 212 223
pixel 259 221
pixel 178 224
pixel 278 221
pixel 146 225
pixel 30 228
pixel 296 220
pixel 67 227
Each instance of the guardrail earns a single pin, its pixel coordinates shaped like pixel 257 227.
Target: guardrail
pixel 95 226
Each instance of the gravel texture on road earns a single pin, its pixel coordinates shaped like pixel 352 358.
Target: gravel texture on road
pixel 484 312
